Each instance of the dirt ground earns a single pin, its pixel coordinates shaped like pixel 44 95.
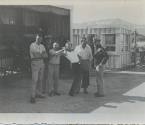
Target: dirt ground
pixel 15 95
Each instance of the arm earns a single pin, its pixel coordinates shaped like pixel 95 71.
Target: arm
pixel 105 58
pixel 55 53
pixel 44 53
pixel 59 52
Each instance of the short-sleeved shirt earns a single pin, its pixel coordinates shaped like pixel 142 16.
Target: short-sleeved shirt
pixel 36 50
pixel 84 53
pixel 53 59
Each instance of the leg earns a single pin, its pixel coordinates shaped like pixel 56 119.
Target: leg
pixel 47 80
pixel 50 81
pixel 76 78
pixel 44 85
pixel 85 81
pixel 56 79
pixel 40 83
pixel 35 71
pixel 99 80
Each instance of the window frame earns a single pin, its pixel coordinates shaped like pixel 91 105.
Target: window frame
pixel 110 45
pixel 8 16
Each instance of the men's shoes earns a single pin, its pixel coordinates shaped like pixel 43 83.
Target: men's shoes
pixel 32 100
pixel 40 96
pixel 78 92
pixel 71 94
pixel 56 93
pixel 98 95
pixel 85 92
pixel 51 94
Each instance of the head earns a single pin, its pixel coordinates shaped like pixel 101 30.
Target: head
pixel 38 39
pixel 97 42
pixel 55 45
pixel 83 42
pixel 68 45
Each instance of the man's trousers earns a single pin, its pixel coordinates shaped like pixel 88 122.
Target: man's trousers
pixel 37 77
pixel 85 68
pixel 99 79
pixel 53 77
pixel 76 78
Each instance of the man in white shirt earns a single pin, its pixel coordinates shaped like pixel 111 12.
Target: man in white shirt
pixel 37 54
pixel 75 65
pixel 85 56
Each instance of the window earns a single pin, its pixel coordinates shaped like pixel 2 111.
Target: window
pixel 73 31
pixel 86 31
pixel 77 31
pixel 12 20
pixel 126 43
pixel 82 31
pixel 110 42
pixel 76 39
pixel 7 16
pixel 90 31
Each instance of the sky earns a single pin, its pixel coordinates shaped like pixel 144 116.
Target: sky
pixel 132 11
pixel 90 10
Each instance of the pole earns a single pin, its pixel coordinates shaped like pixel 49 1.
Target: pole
pixel 135 48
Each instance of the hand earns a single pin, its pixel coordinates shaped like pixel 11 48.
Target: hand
pixel 64 54
pixel 100 64
pixel 97 68
pixel 43 52
pixel 59 52
pixel 44 55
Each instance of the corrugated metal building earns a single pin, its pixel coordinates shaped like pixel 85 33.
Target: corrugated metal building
pixel 19 25
pixel 116 36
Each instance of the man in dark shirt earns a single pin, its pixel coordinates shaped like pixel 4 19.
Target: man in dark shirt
pixel 100 59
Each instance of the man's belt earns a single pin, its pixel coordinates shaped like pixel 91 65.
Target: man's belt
pixel 36 59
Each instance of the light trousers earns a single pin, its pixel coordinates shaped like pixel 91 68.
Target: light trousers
pixel 37 77
pixel 53 78
pixel 99 79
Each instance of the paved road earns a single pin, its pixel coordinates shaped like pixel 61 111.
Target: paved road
pixel 14 96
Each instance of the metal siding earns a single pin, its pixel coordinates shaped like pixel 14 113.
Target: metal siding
pixel 56 25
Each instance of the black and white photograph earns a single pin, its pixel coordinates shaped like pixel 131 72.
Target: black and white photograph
pixel 66 62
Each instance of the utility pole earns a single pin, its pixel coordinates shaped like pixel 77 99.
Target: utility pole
pixel 135 48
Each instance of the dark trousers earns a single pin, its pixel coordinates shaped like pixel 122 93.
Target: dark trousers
pixel 85 66
pixel 85 78
pixel 76 78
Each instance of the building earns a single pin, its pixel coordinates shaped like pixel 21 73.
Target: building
pixel 19 25
pixel 116 36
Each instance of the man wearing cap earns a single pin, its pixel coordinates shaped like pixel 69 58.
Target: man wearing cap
pixel 100 59
pixel 37 54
